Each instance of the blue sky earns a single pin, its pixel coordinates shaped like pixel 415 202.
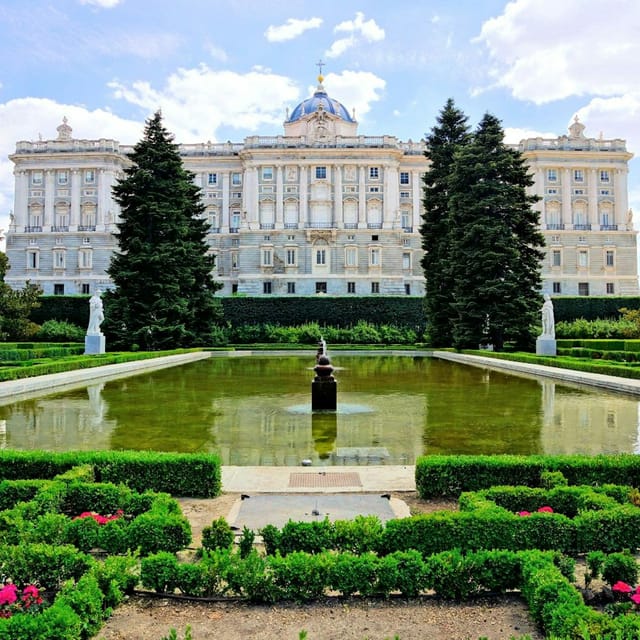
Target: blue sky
pixel 224 69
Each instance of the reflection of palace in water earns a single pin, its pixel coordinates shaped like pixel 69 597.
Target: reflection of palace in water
pixel 575 421
pixel 74 420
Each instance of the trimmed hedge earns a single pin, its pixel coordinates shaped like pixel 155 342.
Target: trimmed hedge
pixel 449 476
pixel 568 308
pixel 193 475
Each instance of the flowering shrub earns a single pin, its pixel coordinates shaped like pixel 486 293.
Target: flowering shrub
pixel 540 510
pixel 98 518
pixel 29 600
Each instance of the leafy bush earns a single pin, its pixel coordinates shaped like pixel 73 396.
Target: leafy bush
pixel 60 331
pixel 218 535
pixel 620 566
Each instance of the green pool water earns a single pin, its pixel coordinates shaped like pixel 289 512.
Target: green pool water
pixel 257 411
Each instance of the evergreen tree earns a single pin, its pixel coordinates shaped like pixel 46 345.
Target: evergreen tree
pixel 16 306
pixel 164 291
pixel 445 138
pixel 496 246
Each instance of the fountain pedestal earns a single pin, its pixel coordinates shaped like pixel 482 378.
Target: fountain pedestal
pixel 324 388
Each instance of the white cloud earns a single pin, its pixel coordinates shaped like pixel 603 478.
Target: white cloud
pixel 148 46
pixel 292 28
pixel 28 118
pixel 545 50
pixel 103 4
pixel 196 102
pixel 514 135
pixel 355 90
pixel 359 30
pixel 217 53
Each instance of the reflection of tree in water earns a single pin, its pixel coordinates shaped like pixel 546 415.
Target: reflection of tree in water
pixel 166 410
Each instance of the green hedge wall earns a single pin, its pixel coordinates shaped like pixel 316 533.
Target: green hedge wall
pixel 73 309
pixel 196 475
pixel 592 307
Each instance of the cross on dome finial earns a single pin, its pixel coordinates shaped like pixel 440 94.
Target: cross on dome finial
pixel 320 64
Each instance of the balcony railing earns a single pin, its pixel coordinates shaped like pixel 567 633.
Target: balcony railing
pixel 33 229
pixel 555 227
pixel 319 225
pixel 374 225
pixel 582 227
pixel 87 227
pixel 290 225
pixel 214 229
pixel 59 229
pixel 350 225
pixel 234 229
pixel 267 225
pixel 608 227
pixel 407 229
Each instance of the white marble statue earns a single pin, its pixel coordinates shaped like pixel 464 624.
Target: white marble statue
pixel 96 314
pixel 548 321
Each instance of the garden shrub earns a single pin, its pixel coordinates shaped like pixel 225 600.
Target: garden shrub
pixel 620 566
pixel 59 331
pixel 300 576
pixel 152 532
pixel 218 535
pixel 159 572
pixel 349 573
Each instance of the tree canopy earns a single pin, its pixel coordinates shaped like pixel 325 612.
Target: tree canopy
pixel 486 244
pixel 164 289
pixel 16 305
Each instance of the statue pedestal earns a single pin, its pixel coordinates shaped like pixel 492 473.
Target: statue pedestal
pixel 546 346
pixel 324 395
pixel 93 344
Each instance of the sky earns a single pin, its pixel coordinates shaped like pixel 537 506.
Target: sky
pixel 225 69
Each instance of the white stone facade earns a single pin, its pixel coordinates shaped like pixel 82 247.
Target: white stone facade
pixel 317 210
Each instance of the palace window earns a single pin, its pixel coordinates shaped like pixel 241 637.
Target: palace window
pixel 236 180
pixel 212 178
pixel 321 287
pixel 267 173
pixel 556 258
pixel 85 288
pixel 374 257
pixel 407 289
pixel 375 287
pixel 578 175
pixel 58 289
pixel 63 177
pixel 36 177
pixel 557 287
pixel 583 288
pixel 89 176
pixel 58 259
pixel 404 177
pixel 291 257
pixel 351 256
pixel 321 256
pixel 267 258
pixel 374 173
pixel 266 287
pixel 321 173
pixel 406 261
pixel 85 258
pixel 351 287
pixel 610 288
pixel 552 175
pixel 33 259
pixel 583 258
pixel 609 258
pixel 291 287
pixel 604 176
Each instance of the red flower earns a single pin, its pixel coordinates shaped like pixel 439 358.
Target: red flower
pixel 621 587
pixel 8 594
pixel 98 518
pixel 636 598
pixel 545 510
pixel 523 513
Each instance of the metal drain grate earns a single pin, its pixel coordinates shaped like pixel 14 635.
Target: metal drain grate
pixel 323 479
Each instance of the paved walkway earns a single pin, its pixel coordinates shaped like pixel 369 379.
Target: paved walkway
pixel 373 479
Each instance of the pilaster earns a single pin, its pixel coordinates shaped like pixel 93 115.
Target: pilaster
pixel 279 199
pixel 565 188
pixel 49 194
pixel 362 199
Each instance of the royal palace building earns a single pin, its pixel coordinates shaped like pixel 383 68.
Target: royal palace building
pixel 316 210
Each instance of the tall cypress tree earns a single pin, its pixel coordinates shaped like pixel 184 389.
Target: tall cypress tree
pixel 445 138
pixel 496 247
pixel 164 291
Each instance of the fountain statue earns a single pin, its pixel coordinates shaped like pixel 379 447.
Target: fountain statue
pixel 324 388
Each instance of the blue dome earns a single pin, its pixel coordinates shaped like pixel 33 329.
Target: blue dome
pixel 320 97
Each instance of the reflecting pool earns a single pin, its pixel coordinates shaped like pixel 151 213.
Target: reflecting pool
pixel 257 411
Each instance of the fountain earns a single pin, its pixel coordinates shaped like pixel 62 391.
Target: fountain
pixel 324 388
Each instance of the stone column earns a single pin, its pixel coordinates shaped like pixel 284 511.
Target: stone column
pixel 416 184
pixel 279 199
pixel 621 195
pixel 74 214
pixel 538 189
pixel 592 190
pixel 304 198
pixel 225 221
pixel 338 215
pixel 362 200
pixel 49 194
pixel 391 196
pixel 565 190
pixel 250 195
pixel 21 199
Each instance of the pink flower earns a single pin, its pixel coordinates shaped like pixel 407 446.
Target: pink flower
pixel 98 518
pixel 621 587
pixel 635 598
pixel 523 513
pixel 545 510
pixel 8 594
